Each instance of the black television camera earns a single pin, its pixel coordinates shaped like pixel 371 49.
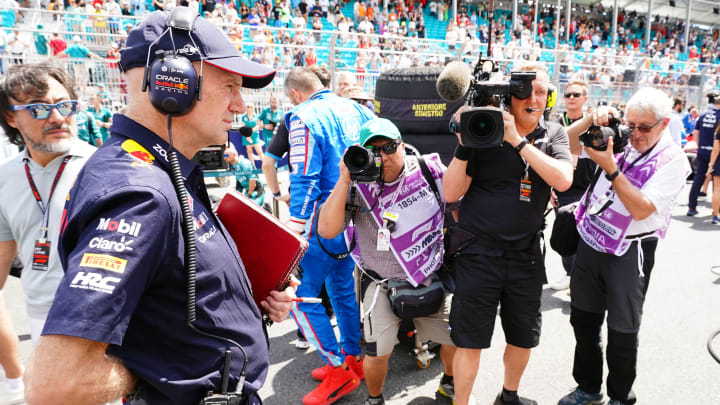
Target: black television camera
pixel 482 125
pixel 596 136
pixel 363 164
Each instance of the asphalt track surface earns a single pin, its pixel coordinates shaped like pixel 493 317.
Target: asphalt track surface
pixel 674 367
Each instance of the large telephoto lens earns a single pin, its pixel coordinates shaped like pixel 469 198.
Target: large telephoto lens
pixel 482 127
pixel 358 159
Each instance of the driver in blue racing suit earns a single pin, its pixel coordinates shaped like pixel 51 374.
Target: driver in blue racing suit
pixel 320 129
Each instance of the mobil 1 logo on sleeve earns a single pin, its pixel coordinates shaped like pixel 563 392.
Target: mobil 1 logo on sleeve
pixel 130 228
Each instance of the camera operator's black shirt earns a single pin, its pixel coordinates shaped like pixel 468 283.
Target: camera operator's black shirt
pixel 582 175
pixel 491 208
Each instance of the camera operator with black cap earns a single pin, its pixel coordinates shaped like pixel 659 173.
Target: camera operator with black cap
pixel 619 220
pixel 505 191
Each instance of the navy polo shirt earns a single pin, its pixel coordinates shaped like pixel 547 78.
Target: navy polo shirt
pixel 124 284
pixel 706 124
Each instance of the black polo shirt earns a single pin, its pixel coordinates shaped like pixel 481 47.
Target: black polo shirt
pixel 123 255
pixel 582 175
pixel 492 208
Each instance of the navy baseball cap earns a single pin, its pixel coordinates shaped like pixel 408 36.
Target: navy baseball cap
pixel 213 44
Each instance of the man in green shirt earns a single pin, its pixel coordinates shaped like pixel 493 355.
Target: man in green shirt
pixel 270 117
pixel 102 115
pixel 88 130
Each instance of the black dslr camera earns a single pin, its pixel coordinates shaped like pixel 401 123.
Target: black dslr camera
pixel 482 125
pixel 364 165
pixel 596 136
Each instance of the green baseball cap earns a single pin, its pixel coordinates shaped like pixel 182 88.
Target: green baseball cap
pixel 378 127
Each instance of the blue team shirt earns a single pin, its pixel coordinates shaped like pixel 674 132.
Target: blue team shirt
pixel 706 124
pixel 320 130
pixel 122 250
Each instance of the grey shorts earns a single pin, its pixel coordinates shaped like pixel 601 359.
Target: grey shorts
pixel 381 325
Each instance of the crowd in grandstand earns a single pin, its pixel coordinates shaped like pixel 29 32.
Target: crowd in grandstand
pixel 288 33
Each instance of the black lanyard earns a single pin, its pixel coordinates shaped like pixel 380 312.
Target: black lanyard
pixel 43 208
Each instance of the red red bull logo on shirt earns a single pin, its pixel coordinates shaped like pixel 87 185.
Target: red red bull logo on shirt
pixel 138 152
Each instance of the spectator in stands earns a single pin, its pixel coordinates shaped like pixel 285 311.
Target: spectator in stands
pixel 101 114
pixel 317 26
pixel 78 52
pixel 17 46
pixel 139 7
pixel 57 44
pixel 42 43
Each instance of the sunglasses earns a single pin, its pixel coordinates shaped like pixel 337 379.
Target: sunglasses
pixel 643 128
pixel 388 148
pixel 43 111
pixel 576 95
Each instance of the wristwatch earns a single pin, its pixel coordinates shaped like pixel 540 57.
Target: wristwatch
pixel 276 195
pixel 521 145
pixel 612 176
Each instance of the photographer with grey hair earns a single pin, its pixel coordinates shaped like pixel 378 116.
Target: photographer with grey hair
pixel 625 211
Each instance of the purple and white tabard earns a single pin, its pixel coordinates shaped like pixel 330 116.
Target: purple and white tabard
pixel 417 241
pixel 606 231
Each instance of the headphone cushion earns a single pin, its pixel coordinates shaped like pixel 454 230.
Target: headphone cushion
pixel 173 84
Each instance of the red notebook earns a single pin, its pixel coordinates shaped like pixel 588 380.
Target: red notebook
pixel 269 249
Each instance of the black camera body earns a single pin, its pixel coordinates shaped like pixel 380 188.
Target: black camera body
pixel 363 164
pixel 596 137
pixel 482 126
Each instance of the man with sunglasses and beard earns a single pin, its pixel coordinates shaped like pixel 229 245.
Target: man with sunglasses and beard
pixel 404 193
pixel 38 104
pixel 625 211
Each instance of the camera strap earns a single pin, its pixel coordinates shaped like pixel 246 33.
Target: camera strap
pixel 354 210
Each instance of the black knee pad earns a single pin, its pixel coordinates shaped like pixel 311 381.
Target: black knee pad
pixel 584 319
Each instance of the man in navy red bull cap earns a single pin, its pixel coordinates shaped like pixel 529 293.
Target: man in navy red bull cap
pixel 118 323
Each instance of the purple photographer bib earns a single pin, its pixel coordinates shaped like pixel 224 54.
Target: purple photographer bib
pixel 417 241
pixel 606 231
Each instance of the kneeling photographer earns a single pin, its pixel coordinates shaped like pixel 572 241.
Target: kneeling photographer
pixel 505 188
pixel 625 210
pixel 391 209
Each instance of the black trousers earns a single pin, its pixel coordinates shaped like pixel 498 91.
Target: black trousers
pixel 598 275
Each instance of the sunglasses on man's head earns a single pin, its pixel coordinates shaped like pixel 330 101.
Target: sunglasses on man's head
pixel 576 95
pixel 43 111
pixel 389 148
pixel 643 128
